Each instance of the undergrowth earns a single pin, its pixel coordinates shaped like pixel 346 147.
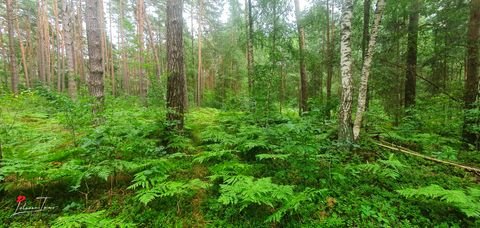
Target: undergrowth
pixel 227 169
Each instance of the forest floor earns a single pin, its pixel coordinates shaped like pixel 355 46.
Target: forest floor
pixel 228 169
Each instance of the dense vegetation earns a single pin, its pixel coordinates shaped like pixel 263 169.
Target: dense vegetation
pixel 190 117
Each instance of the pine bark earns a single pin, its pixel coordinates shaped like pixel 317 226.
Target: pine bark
pixel 411 72
pixel 345 134
pixel 176 82
pixel 11 46
pixel 471 93
pixel 67 20
pixel 363 91
pixel 94 40
pixel 303 74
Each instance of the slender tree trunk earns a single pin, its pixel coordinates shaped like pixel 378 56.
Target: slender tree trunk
pixel 303 74
pixel 411 73
pixel 366 22
pixel 176 95
pixel 67 21
pixel 362 96
pixel 472 80
pixel 59 47
pixel 154 49
pixel 140 15
pixel 94 39
pixel 126 76
pixel 198 93
pixel 112 68
pixel 78 44
pixel 250 58
pixel 41 49
pixel 24 58
pixel 329 55
pixel 345 134
pixel 11 46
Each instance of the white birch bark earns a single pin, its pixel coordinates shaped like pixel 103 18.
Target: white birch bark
pixel 345 115
pixel 362 95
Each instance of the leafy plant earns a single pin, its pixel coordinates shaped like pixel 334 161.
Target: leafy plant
pixel 466 201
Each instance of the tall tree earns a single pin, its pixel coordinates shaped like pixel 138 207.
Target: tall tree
pixel 250 58
pixel 67 8
pixel 366 22
pixel 11 46
pixel 176 82
pixel 472 81
pixel 303 107
pixel 345 133
pixel 411 72
pixel 362 95
pixel 94 40
pixel 140 16
pixel 198 93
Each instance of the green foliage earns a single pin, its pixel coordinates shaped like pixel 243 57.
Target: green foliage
pixel 96 219
pixel 383 169
pixel 466 201
pixel 245 191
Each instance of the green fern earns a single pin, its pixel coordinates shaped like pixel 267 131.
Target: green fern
pixel 96 219
pixel 169 189
pixel 294 203
pixel 467 202
pixel 387 169
pixel 245 191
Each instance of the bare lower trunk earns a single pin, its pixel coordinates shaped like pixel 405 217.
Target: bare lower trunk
pixel 11 46
pixel 176 82
pixel 140 29
pixel 362 96
pixel 411 74
pixel 303 74
pixel 94 40
pixel 471 83
pixel 250 59
pixel 345 134
pixel 68 39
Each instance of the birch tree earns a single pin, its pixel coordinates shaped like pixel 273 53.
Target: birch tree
pixel 362 95
pixel 345 134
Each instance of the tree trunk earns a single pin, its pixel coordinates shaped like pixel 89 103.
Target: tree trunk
pixel 40 55
pixel 94 40
pixel 250 58
pixel 362 96
pixel 303 74
pixel 24 58
pixel 67 21
pixel 198 93
pixel 124 65
pixel 329 56
pixel 472 81
pixel 176 86
pixel 11 46
pixel 411 74
pixel 345 134
pixel 112 67
pixel 140 15
pixel 366 22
